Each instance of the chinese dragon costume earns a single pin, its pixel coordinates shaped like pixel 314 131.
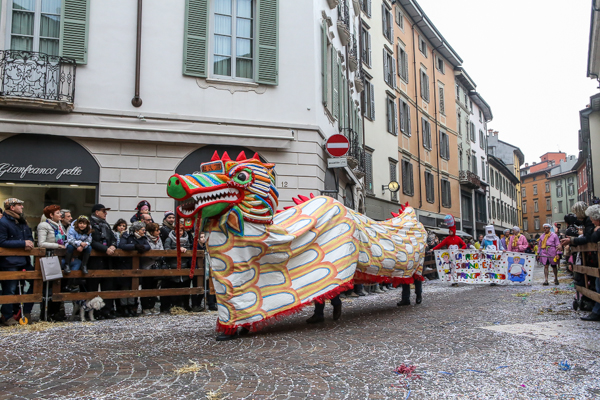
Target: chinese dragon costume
pixel 267 263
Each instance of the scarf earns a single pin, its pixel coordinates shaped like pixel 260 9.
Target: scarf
pixel 516 239
pixel 59 234
pixel 183 241
pixel 153 239
pixel 137 235
pixel 545 240
pixel 19 219
pixel 168 225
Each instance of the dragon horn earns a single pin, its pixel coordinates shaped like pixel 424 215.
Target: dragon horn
pixel 303 198
pixel 297 201
pixel 256 157
pixel 241 156
pixel 395 215
pixel 225 157
pixel 312 196
pixel 215 157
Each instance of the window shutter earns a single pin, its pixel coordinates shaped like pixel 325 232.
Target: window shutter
pixel 74 28
pixel 426 88
pixel 406 75
pixel 324 61
pixel 412 185
pixel 195 40
pixel 335 66
pixel 408 132
pixel 393 73
pixel 385 66
pixel 268 33
pixel 372 89
pixel 369 8
pixel 395 118
pixel 383 23
pixel 370 54
pixel 346 105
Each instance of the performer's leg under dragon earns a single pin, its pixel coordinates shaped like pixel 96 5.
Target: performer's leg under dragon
pixel 267 264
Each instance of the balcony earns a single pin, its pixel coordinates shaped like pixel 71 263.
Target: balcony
pixel 469 179
pixel 353 55
pixel 359 82
pixel 37 80
pixel 343 22
pixel 356 154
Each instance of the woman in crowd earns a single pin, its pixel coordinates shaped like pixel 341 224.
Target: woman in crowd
pixel 134 241
pixel 51 236
pixel 119 228
pixel 153 236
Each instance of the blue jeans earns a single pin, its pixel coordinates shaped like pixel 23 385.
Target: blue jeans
pixel 406 290
pixel 596 309
pixel 10 288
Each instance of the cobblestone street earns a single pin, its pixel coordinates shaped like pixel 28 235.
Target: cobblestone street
pixel 354 358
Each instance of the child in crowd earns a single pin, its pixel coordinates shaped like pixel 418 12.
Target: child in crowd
pixel 143 207
pixel 119 228
pixel 79 237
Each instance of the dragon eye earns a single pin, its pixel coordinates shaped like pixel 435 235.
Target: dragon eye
pixel 242 176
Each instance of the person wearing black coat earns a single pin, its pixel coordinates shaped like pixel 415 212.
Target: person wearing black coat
pixel 15 234
pixel 136 240
pixel 104 241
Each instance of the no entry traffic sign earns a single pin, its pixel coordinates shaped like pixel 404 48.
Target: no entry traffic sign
pixel 337 145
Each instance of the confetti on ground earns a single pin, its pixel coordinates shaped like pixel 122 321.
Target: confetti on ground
pixel 194 367
pixel 179 311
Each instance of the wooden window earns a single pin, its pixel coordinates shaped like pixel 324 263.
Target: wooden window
pixel 369 171
pixel 424 85
pixel 404 117
pixel 429 187
pixel 444 145
pixel 394 178
pixel 446 194
pixel 426 130
pixel 407 178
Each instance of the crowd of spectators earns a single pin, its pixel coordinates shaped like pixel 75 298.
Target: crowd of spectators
pixel 58 229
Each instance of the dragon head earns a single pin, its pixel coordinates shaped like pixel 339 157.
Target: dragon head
pixel 234 191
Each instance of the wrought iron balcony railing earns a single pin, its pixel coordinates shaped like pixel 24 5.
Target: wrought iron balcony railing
pixel 469 179
pixel 356 152
pixel 343 22
pixel 37 80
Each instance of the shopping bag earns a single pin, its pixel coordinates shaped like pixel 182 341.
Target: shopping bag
pixel 51 269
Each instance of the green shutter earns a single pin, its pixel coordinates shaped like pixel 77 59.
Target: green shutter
pixel 267 54
pixel 335 74
pixel 195 38
pixel 324 62
pixel 74 22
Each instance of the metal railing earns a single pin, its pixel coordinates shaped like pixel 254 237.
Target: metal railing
pixel 469 178
pixel 356 149
pixel 344 12
pixel 34 75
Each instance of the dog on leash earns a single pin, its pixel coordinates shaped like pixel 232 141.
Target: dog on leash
pixel 83 306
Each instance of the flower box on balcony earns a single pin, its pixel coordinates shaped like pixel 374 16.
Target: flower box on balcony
pixel 333 3
pixel 352 62
pixel 358 83
pixel 344 33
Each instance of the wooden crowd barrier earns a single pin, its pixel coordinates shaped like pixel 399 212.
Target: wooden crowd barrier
pixel 586 270
pixel 135 273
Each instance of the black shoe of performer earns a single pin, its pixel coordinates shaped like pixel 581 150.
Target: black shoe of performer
pixel 419 299
pixel 315 319
pixel 337 312
pixel 592 317
pixel 493 284
pixel 403 303
pixel 454 284
pixel 243 331
pixel 223 337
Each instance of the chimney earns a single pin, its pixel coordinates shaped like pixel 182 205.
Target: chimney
pixel 534 163
pixel 526 165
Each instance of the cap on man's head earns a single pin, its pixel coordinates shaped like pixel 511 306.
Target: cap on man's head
pixel 98 207
pixel 167 214
pixel 12 201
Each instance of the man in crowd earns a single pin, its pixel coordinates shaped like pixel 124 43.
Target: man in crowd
pixel 14 234
pixel 66 219
pixel 167 226
pixel 103 240
pixel 517 242
pixel 146 218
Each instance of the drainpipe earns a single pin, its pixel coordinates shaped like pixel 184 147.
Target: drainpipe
pixel 137 101
pixel 417 110
pixel 437 133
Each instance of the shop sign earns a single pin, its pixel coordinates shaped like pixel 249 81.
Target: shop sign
pixel 46 158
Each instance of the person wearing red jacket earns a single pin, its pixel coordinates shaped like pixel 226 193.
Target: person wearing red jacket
pixel 451 242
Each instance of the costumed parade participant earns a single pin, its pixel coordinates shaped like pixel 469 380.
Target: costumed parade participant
pixel 451 242
pixel 516 242
pixel 491 242
pixel 548 245
pixel 503 244
pixel 267 264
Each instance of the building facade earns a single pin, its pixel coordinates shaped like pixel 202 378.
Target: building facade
pixel 220 75
pixel 502 195
pixel 513 158
pixel 537 201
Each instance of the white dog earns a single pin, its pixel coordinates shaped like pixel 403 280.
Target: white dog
pixel 82 306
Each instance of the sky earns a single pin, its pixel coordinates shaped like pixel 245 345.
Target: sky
pixel 529 61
